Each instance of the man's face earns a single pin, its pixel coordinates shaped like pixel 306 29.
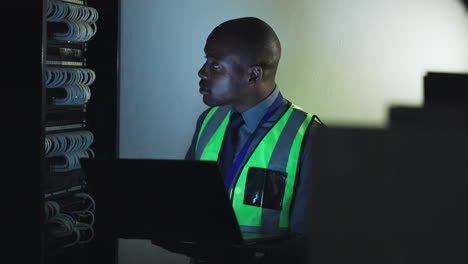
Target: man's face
pixel 224 75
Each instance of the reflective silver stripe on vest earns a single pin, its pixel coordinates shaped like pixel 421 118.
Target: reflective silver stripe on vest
pixel 278 162
pixel 280 157
pixel 210 129
pixel 257 229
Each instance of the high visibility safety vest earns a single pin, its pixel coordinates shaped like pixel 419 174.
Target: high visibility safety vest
pixel 278 151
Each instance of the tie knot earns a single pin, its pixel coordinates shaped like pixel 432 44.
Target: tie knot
pixel 235 121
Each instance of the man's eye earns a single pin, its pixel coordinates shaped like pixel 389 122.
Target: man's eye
pixel 214 65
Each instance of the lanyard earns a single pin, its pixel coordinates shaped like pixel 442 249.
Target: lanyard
pixel 271 110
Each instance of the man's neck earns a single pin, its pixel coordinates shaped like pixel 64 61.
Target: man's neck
pixel 253 100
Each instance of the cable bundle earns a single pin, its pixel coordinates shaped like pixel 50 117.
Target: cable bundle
pixel 64 222
pixel 75 81
pixel 72 160
pixel 66 142
pixel 76 95
pixel 58 77
pixel 80 20
pixel 52 208
pixel 71 146
pixel 77 31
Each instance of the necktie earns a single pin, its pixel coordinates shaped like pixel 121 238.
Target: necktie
pixel 230 142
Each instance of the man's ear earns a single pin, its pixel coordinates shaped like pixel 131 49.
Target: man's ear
pixel 255 74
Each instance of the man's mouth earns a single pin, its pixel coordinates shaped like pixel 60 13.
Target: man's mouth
pixel 203 89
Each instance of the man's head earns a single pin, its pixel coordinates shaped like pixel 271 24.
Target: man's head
pixel 242 57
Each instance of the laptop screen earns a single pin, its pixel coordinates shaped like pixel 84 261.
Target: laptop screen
pixel 162 200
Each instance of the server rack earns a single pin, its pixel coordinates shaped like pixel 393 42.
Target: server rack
pixel 79 113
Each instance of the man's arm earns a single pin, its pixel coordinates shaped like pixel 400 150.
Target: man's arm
pixel 301 198
pixel 295 249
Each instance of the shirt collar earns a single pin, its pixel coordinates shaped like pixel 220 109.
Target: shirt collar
pixel 254 115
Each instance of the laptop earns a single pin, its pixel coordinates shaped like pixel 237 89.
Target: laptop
pixel 170 202
pixel 389 196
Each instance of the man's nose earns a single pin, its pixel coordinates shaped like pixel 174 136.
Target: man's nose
pixel 202 72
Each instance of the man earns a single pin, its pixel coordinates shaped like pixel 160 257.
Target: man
pixel 267 167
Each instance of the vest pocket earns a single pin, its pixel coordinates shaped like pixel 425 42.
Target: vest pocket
pixel 265 188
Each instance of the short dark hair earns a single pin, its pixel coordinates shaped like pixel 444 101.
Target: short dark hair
pixel 255 38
